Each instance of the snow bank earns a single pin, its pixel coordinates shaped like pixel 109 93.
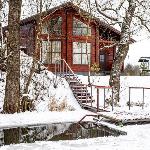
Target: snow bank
pixel 41 89
pixel 40 118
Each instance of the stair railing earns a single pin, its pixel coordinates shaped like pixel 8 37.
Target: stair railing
pixel 97 98
pixel 63 69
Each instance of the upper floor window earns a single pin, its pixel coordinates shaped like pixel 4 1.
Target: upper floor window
pixel 80 28
pixel 53 26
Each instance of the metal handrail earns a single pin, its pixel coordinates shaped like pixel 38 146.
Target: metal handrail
pixel 100 87
pixel 143 89
pixel 68 69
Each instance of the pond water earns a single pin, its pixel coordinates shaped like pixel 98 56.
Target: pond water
pixel 59 131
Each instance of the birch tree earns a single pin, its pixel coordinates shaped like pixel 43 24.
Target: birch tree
pixel 131 16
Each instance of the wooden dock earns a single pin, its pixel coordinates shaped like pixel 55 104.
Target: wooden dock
pixel 119 119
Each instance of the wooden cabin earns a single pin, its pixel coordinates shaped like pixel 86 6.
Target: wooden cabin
pixel 70 33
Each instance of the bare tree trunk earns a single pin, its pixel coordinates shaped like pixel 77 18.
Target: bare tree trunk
pixel 37 46
pixel 1 35
pixel 122 51
pixel 12 89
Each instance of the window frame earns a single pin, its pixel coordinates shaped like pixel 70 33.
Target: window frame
pixel 81 29
pixel 49 59
pixel 46 26
pixel 82 54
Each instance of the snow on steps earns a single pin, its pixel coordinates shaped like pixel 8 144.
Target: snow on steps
pixel 79 90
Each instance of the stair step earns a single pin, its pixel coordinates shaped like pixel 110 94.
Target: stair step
pixel 80 90
pixel 73 82
pixel 68 75
pixel 78 86
pixel 86 101
pixel 83 96
pixel 81 93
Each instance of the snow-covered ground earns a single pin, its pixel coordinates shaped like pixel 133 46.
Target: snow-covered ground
pixel 136 95
pixel 137 135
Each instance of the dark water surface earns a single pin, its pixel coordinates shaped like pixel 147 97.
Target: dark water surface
pixel 59 131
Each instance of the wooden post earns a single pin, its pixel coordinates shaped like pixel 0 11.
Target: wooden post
pixel 63 67
pixel 104 98
pixel 143 99
pixel 60 67
pixel 56 68
pixel 86 94
pixel 129 98
pixel 91 94
pixel 112 99
pixel 97 99
pixel 66 69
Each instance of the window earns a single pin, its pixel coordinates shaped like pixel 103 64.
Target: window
pixel 81 53
pixel 44 28
pixel 51 51
pixel 79 28
pixel 53 26
pixel 102 58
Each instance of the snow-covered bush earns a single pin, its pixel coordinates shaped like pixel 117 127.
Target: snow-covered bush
pixel 41 86
pixel 55 105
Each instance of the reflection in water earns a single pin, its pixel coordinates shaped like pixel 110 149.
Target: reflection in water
pixel 61 131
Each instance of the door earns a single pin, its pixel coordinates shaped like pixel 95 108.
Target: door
pixel 102 60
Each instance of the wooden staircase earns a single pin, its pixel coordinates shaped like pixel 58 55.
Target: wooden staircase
pixel 79 90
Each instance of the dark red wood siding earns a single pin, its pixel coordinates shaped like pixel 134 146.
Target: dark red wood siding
pixel 97 40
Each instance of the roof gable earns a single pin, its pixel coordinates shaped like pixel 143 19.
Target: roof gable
pixel 76 8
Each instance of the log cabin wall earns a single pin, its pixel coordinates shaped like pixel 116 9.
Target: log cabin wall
pixel 67 39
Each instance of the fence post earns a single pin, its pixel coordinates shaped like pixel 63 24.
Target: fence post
pixel 63 64
pixel 56 68
pixel 97 99
pixel 91 94
pixel 129 98
pixel 112 99
pixel 143 99
pixel 60 68
pixel 66 70
pixel 86 94
pixel 104 98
